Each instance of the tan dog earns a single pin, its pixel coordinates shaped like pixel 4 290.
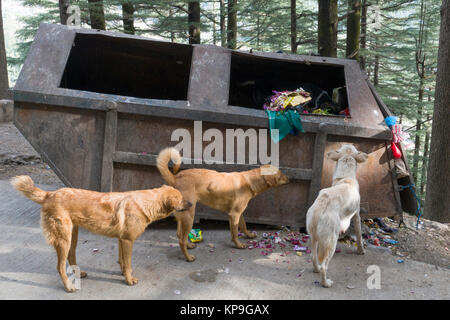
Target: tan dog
pixel 123 215
pixel 225 191
pixel 331 213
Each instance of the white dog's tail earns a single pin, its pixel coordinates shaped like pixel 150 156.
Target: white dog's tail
pixel 162 163
pixel 26 186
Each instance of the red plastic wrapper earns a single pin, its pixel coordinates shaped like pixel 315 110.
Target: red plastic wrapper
pixel 396 151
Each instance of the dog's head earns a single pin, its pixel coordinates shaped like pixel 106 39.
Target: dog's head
pixel 348 154
pixel 174 201
pixel 273 176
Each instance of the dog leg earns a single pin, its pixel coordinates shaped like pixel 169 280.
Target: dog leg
pixel 359 241
pixel 127 250
pixel 233 218
pixel 73 248
pixel 120 257
pixel 326 252
pixel 243 228
pixel 62 251
pixel 315 245
pixel 185 222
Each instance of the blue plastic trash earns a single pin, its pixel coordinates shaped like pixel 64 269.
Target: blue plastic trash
pixel 390 121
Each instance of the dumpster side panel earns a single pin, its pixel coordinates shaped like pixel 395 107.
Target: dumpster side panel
pixel 141 138
pixel 284 205
pixel 374 176
pixel 69 140
pixel 140 134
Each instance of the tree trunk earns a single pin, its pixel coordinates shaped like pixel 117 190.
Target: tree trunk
pixel 437 203
pixel 194 22
pixel 376 70
pixel 232 24
pixel 223 37
pixel 63 15
pixel 327 28
pixel 294 26
pixel 214 24
pixel 362 58
pixel 172 34
pixel 97 14
pixel 423 176
pixel 128 17
pixel 417 141
pixel 4 84
pixel 353 29
pixel 258 33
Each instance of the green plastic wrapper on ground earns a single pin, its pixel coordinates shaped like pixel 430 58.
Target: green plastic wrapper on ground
pixel 195 235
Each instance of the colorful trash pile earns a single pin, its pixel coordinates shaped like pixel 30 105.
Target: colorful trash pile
pixel 283 100
pixel 304 102
pixel 378 233
pixel 285 240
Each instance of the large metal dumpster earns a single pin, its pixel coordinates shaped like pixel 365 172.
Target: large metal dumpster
pixel 99 106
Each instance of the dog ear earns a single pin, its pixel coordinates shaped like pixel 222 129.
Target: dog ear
pixel 270 179
pixel 169 204
pixel 333 155
pixel 361 157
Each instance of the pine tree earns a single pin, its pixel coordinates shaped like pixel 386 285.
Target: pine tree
pixel 194 21
pixel 327 30
pixel 128 17
pixel 232 24
pixel 63 14
pixel 97 14
pixel 437 204
pixel 353 29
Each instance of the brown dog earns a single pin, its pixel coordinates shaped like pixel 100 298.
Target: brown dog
pixel 225 191
pixel 122 215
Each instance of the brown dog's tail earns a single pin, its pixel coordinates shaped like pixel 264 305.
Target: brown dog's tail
pixel 162 163
pixel 26 186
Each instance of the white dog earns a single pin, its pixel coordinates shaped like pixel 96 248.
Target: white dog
pixel 331 213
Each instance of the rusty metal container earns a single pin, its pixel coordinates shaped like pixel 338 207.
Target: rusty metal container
pixel 99 106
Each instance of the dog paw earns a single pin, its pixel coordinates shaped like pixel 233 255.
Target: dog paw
pixel 316 270
pixel 190 258
pixel 131 281
pixel 83 274
pixel 251 235
pixel 360 251
pixel 191 245
pixel 240 245
pixel 70 288
pixel 327 283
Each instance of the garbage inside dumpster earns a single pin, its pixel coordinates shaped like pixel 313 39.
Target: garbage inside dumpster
pixel 312 100
pixel 284 108
pixel 281 100
pixel 286 122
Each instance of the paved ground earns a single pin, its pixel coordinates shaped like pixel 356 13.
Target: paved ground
pixel 28 266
